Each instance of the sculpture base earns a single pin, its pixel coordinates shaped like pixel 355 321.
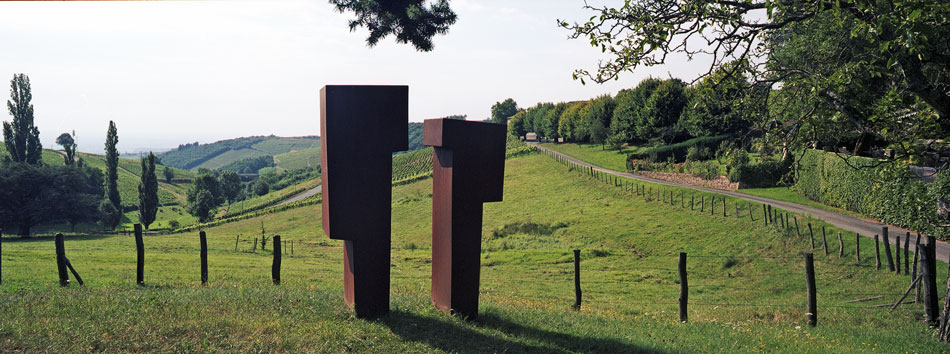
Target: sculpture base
pixel 366 277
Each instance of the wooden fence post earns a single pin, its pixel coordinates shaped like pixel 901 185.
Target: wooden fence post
pixel 204 257
pixel 712 206
pixel 275 269
pixel 887 249
pixel 907 254
pixel 723 206
pixel 684 287
pixel 577 280
pixel 61 261
pixel 765 215
pixel 139 256
pixel 857 247
pixel 692 201
pixel 255 245
pixel 877 251
pixel 749 208
pixel 769 216
pixel 824 240
pixel 737 209
pixel 797 230
pixel 236 239
pixel 840 245
pixel 897 254
pixel 916 267
pixel 811 234
pixel 929 273
pixel 812 291
pixel 702 203
pixel 291 247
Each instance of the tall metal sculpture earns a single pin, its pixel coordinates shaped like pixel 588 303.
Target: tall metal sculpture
pixel 468 170
pixel 361 127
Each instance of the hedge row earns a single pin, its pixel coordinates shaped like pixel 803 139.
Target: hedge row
pixel 676 151
pixel 882 190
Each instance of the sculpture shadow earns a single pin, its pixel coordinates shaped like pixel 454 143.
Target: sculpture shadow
pixel 449 335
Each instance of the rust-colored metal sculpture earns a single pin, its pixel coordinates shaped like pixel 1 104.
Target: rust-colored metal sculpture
pixel 468 170
pixel 361 127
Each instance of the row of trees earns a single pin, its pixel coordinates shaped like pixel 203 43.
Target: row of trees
pixel 35 192
pixel 658 111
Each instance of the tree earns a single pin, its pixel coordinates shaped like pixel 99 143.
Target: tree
pixel 69 147
pixel 410 21
pixel 261 187
pixel 203 196
pixel 169 174
pixel 714 105
pixel 112 166
pixel 850 53
pixel 109 216
pixel 148 191
pixel 516 124
pixel 629 114
pixel 569 125
pixel 501 111
pixel 551 121
pixel 230 184
pixel 597 120
pixel 200 205
pixel 661 111
pixel 34 194
pixel 21 137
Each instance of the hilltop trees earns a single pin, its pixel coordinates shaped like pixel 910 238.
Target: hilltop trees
pixel 501 111
pixel 148 191
pixel 69 147
pixel 21 137
pixel 109 217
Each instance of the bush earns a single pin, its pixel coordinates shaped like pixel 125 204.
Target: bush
pixel 679 150
pixel 761 175
pixel 696 153
pixel 885 191
pixel 703 169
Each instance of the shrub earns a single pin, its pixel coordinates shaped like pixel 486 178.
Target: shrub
pixel 761 175
pixel 173 224
pixel 679 150
pixel 703 169
pixel 885 191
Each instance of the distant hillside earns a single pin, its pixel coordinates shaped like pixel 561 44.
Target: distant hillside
pixel 225 152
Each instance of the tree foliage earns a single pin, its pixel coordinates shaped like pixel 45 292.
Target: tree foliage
pixel 867 70
pixel 148 191
pixel 21 137
pixel 68 142
pixel 501 111
pixel 34 194
pixel 112 167
pixel 410 21
pixel 169 174
pixel 204 195
pixel 230 185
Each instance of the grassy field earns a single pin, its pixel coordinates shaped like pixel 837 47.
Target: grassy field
pixel 594 154
pixel 746 280
pixel 298 159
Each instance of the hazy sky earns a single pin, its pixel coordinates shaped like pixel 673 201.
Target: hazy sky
pixel 175 72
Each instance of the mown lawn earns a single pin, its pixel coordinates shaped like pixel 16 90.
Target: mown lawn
pixel 747 284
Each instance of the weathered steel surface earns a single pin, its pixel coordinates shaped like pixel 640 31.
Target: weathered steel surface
pixel 468 170
pixel 361 126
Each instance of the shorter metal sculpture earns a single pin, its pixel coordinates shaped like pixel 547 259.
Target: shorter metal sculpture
pixel 361 127
pixel 468 170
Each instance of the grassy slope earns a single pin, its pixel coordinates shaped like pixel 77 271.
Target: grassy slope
pixel 284 145
pixel 229 157
pixel 298 159
pixel 629 285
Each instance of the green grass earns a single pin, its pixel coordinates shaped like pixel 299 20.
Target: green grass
pixel 299 159
pixel 594 154
pixel 629 246
pixel 788 194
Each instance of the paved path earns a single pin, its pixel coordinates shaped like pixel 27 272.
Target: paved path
pixel 303 195
pixel 865 227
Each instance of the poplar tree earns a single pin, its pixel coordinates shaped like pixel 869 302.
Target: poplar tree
pixel 21 137
pixel 148 191
pixel 112 173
